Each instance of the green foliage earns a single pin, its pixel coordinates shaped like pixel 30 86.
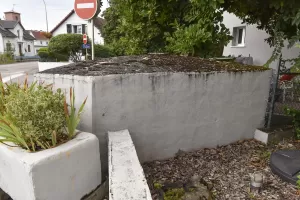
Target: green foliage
pixel 174 194
pixel 34 117
pixel 102 51
pixel 182 27
pixel 6 58
pixel 45 55
pixel 279 18
pixel 298 182
pixel 157 186
pixel 68 45
pixel 72 118
pixel 296 120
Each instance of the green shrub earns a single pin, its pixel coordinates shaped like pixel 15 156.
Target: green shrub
pixel 33 117
pixel 6 58
pixel 295 114
pixel 102 51
pixel 45 55
pixel 68 45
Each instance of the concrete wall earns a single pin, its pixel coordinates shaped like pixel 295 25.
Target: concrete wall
pixel 126 176
pixel 49 65
pixel 165 112
pixel 255 44
pixel 1 44
pixel 75 20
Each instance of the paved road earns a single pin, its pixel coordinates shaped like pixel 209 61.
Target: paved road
pixel 18 68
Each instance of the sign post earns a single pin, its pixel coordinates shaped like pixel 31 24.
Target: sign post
pixel 93 40
pixel 88 10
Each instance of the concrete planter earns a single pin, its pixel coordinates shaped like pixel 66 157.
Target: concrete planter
pixel 49 65
pixel 69 171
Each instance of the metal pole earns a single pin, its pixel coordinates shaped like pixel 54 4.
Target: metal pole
pixel 93 40
pixel 46 15
pixel 274 93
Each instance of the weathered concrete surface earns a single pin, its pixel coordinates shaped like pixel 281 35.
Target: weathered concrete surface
pixel 101 193
pixel 69 171
pixel 126 175
pixel 166 112
pixel 49 65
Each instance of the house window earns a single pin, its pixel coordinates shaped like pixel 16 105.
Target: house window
pixel 29 50
pixel 41 42
pixel 77 29
pixel 239 35
pixel 47 43
pixel 8 46
pixel 18 32
pixel 69 28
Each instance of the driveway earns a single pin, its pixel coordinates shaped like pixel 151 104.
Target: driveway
pixel 19 70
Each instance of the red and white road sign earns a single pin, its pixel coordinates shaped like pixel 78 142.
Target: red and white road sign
pixel 85 39
pixel 86 9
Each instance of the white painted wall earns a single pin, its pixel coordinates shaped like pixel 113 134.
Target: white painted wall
pixel 255 46
pixel 126 175
pixel 49 65
pixel 40 44
pixel 75 20
pixel 165 112
pixel 16 41
pixel 13 42
pixel 1 44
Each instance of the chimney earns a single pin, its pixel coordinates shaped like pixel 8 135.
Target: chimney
pixel 12 16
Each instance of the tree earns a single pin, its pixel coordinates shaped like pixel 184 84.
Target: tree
pixel 68 45
pixel 142 26
pixel 102 51
pixel 279 18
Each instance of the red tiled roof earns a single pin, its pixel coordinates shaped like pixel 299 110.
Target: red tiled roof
pixel 38 35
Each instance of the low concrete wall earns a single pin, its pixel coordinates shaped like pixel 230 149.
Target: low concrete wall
pixel 165 112
pixel 126 175
pixel 49 65
pixel 69 171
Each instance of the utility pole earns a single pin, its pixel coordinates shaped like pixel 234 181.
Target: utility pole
pixel 46 15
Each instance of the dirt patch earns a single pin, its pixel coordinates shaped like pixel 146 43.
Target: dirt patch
pixel 226 169
pixel 150 64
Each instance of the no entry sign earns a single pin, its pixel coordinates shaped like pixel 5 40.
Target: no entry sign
pixel 86 9
pixel 84 37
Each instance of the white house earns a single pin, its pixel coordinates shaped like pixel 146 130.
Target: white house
pixel 248 40
pixel 73 24
pixel 40 40
pixel 14 37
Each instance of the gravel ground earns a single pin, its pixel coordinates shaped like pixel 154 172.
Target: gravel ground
pixel 227 169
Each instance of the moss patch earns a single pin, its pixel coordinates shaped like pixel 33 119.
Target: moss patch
pixel 151 64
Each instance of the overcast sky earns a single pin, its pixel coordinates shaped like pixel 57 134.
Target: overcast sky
pixel 33 11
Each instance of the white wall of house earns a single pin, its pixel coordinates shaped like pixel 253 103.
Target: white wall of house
pixel 75 20
pixel 29 49
pixel 40 44
pixel 14 44
pixel 253 42
pixel 26 46
pixel 1 44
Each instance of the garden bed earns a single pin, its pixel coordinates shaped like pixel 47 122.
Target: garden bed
pixel 149 64
pixel 224 170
